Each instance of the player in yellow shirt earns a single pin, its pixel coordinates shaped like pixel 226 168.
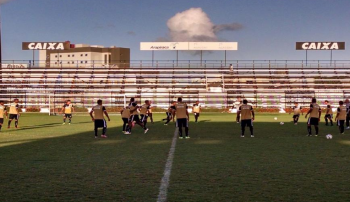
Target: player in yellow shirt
pixel 14 113
pixel 3 113
pixel 150 113
pixel 342 112
pixel 134 116
pixel 170 113
pixel 196 109
pixel 125 113
pixel 329 113
pixel 247 117
pixel 315 115
pixel 97 117
pixel 182 117
pixel 68 109
pixel 296 110
pixel 144 111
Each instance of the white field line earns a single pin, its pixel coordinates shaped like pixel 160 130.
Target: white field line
pixel 164 185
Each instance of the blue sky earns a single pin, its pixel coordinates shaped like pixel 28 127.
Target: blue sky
pixel 271 27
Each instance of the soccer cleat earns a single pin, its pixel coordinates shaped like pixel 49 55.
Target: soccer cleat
pixel 181 137
pixel 342 133
pixel 123 132
pixel 309 135
pixel 242 135
pixel 296 124
pixel 316 135
pixel 347 128
pixel 63 123
pixel 187 137
pixel 69 123
pixel 237 121
pixel 165 124
pixel 96 137
pixel 104 136
pixel 127 133
pixel 146 130
pixel 252 136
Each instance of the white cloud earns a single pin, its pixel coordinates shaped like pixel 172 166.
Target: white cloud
pixel 195 25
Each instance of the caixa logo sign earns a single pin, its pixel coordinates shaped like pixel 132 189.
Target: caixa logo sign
pixel 320 46
pixel 45 45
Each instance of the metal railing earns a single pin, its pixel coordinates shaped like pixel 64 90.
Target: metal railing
pixel 182 63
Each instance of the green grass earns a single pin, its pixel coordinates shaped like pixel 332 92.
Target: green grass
pixel 46 161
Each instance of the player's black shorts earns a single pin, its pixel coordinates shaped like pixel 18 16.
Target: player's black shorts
pixel 13 116
pixel 143 117
pixel 1 120
pixel 100 123
pixel 125 120
pixel 328 116
pixel 182 122
pixel 134 118
pixel 312 121
pixel 247 122
pixel 196 114
pixel 296 116
pixel 340 122
pixel 68 116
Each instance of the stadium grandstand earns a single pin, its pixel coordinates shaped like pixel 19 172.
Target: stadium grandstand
pixel 266 84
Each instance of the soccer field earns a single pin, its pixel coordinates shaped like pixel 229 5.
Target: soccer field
pixel 47 161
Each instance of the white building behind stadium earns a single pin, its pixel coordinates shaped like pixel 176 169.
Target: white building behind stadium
pixel 83 55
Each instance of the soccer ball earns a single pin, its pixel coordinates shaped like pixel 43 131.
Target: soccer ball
pixel 329 136
pixel 282 123
pixel 275 118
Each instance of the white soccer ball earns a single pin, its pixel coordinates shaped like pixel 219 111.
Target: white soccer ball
pixel 282 123
pixel 329 136
pixel 275 118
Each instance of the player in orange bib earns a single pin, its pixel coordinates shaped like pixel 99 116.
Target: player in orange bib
pixel 97 117
pixel 315 115
pixel 342 111
pixel 3 113
pixel 247 117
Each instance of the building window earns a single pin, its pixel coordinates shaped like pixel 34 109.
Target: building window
pixel 69 56
pixel 55 63
pixel 60 56
pixel 81 55
pixel 81 62
pixel 72 62
pixel 68 62
pixel 55 56
pixel 86 54
pixel 85 62
pixel 73 55
pixel 60 62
